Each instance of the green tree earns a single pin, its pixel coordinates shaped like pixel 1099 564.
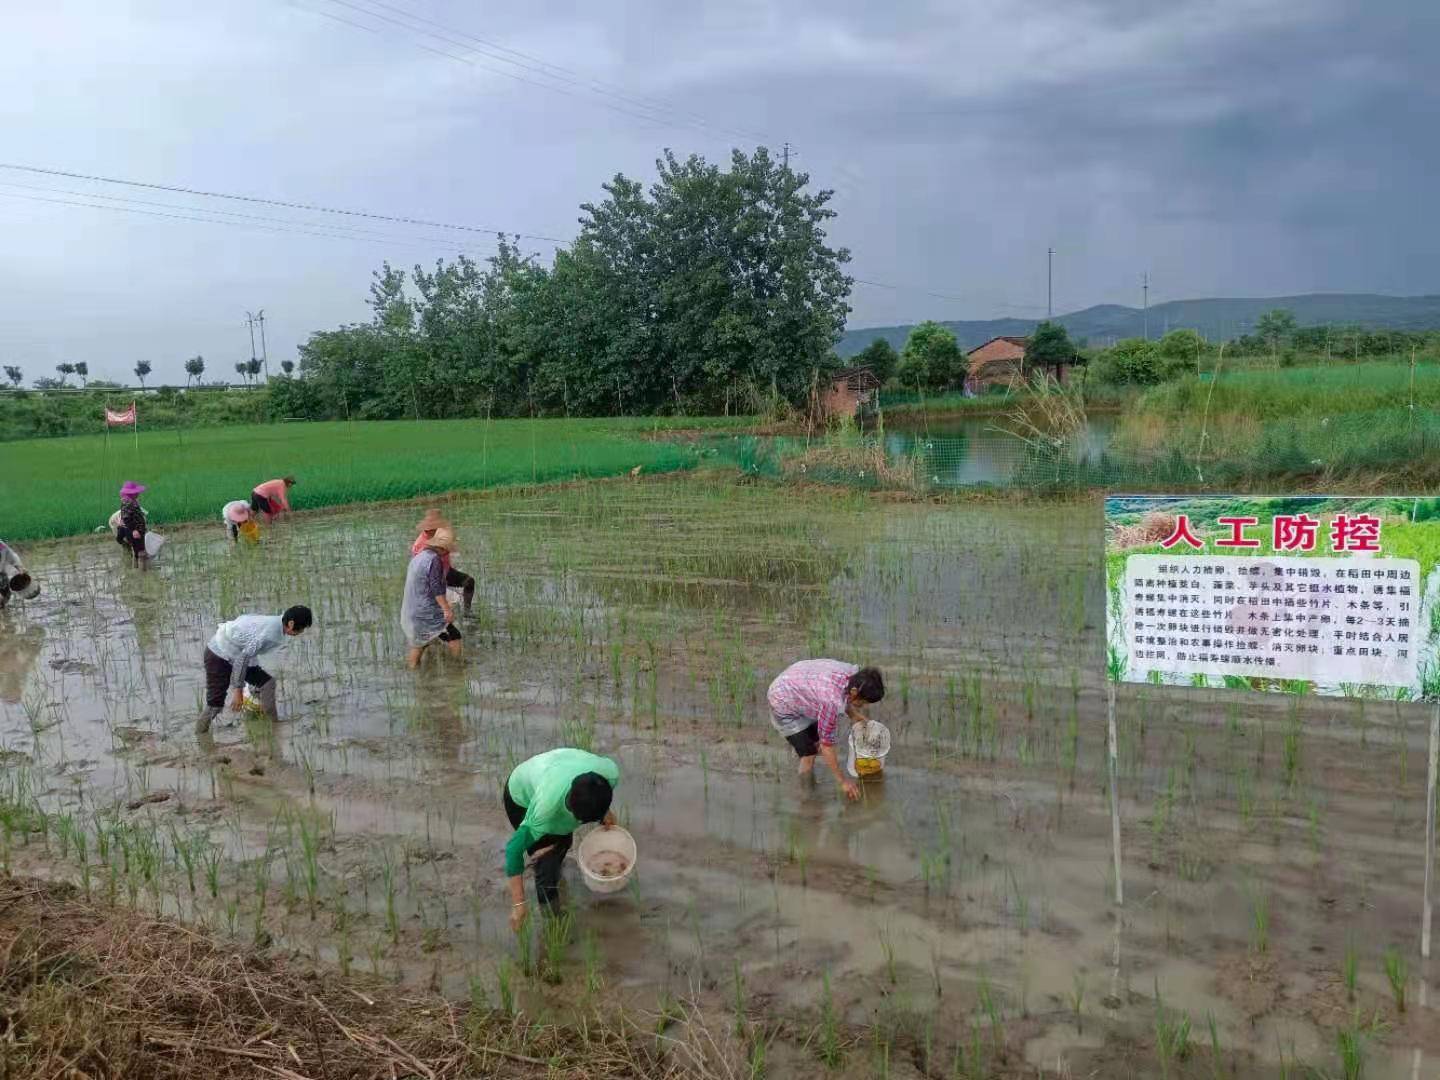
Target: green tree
pixel 1132 360
pixel 1050 345
pixel 14 374
pixel 1182 344
pixel 65 371
pixel 1276 326
pixel 194 368
pixel 931 359
pixel 288 367
pixel 82 369
pixel 881 358
pixel 142 369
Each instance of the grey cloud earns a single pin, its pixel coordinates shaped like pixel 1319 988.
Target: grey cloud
pixel 1229 147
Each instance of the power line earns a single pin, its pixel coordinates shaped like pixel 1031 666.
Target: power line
pixel 310 207
pixel 245 222
pixel 469 60
pixel 655 109
pixel 339 229
pixel 303 228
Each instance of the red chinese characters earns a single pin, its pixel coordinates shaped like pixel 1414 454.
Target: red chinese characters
pixel 1182 533
pixel 1237 537
pixel 1355 532
pixel 1295 532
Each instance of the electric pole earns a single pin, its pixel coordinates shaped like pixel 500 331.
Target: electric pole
pixel 264 352
pixel 785 154
pixel 1145 304
pixel 1050 283
pixel 250 322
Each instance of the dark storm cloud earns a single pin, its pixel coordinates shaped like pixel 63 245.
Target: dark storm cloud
pixel 1224 146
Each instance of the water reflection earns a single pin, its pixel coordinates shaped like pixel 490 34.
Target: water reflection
pixel 969 451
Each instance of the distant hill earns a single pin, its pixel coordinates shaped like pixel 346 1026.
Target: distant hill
pixel 1217 319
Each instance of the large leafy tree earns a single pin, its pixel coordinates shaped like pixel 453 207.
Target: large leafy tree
pixel 1050 345
pixel 709 286
pixel 194 368
pixel 881 358
pixel 14 374
pixel 931 359
pixel 142 369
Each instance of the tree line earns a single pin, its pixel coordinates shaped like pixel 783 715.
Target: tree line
pixel 713 290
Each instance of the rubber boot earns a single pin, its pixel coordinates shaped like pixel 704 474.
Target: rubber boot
pixel 206 718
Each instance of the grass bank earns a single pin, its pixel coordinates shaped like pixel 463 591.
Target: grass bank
pixel 59 487
pixel 97 991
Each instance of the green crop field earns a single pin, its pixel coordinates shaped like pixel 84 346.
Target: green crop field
pixel 58 487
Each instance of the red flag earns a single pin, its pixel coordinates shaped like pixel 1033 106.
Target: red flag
pixel 113 418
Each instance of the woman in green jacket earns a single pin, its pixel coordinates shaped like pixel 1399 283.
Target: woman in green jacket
pixel 546 799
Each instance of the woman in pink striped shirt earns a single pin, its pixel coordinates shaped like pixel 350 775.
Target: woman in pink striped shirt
pixel 806 701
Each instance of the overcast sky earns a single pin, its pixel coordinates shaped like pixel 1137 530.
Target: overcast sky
pixel 1229 147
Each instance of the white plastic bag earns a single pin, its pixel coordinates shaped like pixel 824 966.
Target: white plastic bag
pixel 153 543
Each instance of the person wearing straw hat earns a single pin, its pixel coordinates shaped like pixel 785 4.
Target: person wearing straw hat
pixel 425 612
pixel 546 799
pixel 806 701
pixel 130 534
pixel 454 579
pixel 10 566
pixel 230 660
pixel 239 521
pixel 272 498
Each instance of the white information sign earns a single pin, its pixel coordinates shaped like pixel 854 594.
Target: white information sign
pixel 1322 620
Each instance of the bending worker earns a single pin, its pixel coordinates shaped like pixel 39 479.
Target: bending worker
pixel 272 498
pixel 10 565
pixel 546 799
pixel 231 655
pixel 806 700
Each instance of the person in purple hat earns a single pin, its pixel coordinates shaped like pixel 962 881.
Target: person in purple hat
pixel 130 533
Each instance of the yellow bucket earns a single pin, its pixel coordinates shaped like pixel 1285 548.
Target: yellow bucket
pixel 869 766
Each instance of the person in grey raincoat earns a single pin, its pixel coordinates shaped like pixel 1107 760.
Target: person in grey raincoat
pixel 425 612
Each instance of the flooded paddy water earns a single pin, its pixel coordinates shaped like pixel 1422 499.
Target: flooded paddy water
pixel 957 921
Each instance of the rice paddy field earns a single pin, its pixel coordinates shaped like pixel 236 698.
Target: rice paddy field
pixel 56 487
pixel 955 922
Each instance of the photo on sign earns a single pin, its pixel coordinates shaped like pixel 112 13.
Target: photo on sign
pixel 1301 594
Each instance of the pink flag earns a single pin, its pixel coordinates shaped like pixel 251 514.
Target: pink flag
pixel 113 418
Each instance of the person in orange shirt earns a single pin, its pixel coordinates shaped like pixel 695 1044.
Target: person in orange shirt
pixel 272 498
pixel 454 579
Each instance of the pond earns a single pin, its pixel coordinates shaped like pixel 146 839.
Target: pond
pixel 967 451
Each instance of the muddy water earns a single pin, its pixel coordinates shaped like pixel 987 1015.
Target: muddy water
pixel 965 899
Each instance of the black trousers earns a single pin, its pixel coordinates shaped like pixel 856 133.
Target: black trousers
pixel 458 579
pixel 217 679
pixel 549 865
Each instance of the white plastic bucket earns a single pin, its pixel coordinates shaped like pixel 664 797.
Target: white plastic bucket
pixel 869 743
pixel 607 859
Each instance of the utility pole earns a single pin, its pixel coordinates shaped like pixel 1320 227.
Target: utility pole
pixel 1050 283
pixel 264 352
pixel 785 154
pixel 250 322
pixel 1145 302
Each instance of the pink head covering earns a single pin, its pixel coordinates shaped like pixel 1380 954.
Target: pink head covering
pixel 130 488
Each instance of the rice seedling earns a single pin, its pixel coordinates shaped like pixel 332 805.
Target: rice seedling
pixel 1397 974
pixel 1077 1000
pixel 555 937
pixel 1350 1046
pixel 1172 1036
pixel 1217 1068
pixel 1259 918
